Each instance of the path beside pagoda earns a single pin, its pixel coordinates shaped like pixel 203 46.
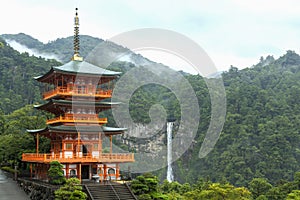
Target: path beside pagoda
pixel 10 190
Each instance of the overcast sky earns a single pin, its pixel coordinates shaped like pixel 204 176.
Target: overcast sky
pixel 232 32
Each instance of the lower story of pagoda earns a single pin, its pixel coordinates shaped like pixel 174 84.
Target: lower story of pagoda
pixel 83 171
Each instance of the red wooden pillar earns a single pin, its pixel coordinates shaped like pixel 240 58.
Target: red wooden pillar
pixel 35 170
pixel 104 172
pixel 42 170
pixel 67 170
pixel 30 167
pixel 79 172
pixel 117 171
pixel 78 143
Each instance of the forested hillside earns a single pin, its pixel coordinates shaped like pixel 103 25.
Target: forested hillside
pixel 261 135
pixel 17 86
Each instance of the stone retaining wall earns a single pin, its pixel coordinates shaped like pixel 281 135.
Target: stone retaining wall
pixel 37 191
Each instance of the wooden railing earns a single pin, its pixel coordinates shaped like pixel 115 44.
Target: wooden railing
pixel 77 92
pixel 82 118
pixel 105 157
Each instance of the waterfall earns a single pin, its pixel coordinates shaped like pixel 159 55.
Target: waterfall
pixel 170 176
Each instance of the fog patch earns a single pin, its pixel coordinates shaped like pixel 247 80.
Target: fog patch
pixel 33 52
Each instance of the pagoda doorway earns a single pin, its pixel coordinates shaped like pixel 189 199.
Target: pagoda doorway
pixel 85 172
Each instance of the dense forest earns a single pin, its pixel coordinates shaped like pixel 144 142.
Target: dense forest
pixel 259 143
pixel 260 137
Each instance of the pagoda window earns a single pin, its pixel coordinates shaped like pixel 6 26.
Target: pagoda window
pixel 72 172
pixel 69 146
pixel 95 147
pixel 111 171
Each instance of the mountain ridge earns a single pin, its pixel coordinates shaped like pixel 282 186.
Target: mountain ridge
pixel 62 48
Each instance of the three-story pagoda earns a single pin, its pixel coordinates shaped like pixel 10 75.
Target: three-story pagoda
pixel 75 94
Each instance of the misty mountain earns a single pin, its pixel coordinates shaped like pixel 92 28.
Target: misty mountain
pixel 61 49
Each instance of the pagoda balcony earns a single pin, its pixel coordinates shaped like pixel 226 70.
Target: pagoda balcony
pixel 82 92
pixel 79 118
pixel 104 158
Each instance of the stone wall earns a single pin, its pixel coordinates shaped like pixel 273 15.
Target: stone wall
pixel 37 191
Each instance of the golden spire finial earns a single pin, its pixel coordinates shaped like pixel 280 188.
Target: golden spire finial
pixel 76 55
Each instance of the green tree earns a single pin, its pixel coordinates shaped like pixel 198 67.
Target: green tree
pixel 145 186
pixel 13 145
pixel 56 174
pixel 71 190
pixel 259 186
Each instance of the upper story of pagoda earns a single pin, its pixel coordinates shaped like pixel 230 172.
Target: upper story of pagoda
pixel 78 79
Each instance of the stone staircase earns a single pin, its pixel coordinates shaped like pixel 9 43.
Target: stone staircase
pixel 110 192
pixel 124 192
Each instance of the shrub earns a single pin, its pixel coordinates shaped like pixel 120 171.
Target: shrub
pixel 56 174
pixel 71 190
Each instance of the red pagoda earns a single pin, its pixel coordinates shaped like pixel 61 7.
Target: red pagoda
pixel 76 94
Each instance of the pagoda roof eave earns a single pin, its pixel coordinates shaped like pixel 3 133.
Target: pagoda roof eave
pixel 76 129
pixel 76 103
pixel 36 130
pixel 78 68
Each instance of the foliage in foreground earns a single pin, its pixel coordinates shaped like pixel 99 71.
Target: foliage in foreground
pixel 147 187
pixel 71 190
